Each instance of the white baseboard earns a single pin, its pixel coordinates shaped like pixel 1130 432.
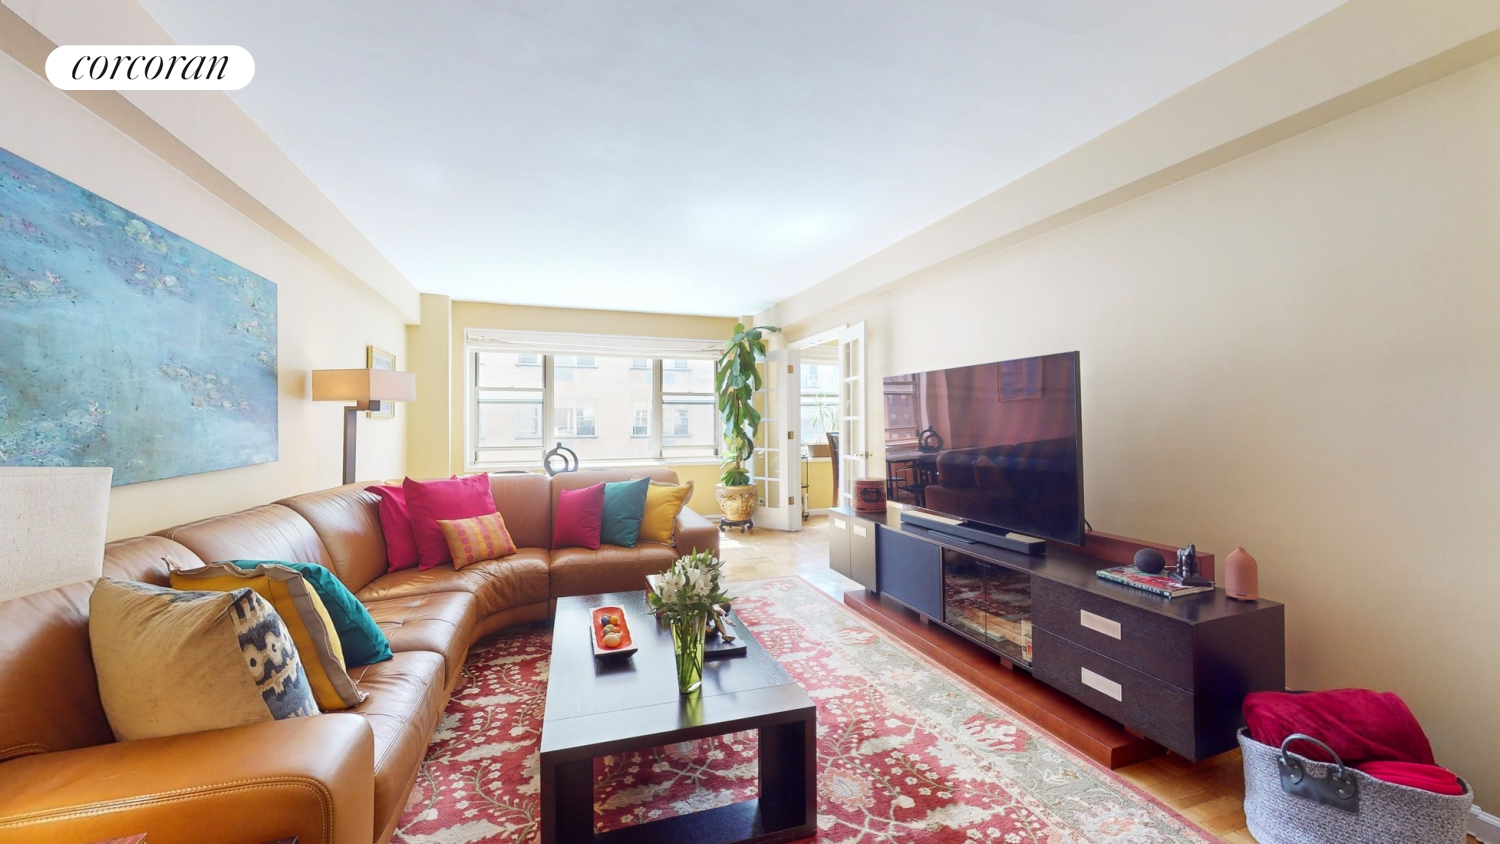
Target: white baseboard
pixel 819 511
pixel 1484 826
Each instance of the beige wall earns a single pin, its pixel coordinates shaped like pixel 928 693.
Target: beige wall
pixel 323 322
pixel 1298 352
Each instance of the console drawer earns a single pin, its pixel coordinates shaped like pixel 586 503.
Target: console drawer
pixel 1154 644
pixel 1157 710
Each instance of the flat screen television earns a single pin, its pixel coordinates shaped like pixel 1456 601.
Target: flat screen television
pixel 998 444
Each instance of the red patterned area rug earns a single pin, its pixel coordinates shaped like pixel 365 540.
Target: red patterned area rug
pixel 906 751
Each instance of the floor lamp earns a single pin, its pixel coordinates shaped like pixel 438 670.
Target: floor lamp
pixel 367 388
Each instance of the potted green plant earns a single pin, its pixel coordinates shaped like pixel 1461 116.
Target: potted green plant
pixel 736 378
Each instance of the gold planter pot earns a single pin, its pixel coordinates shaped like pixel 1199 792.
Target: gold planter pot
pixel 737 503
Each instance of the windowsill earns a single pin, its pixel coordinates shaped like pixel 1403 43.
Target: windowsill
pixel 629 463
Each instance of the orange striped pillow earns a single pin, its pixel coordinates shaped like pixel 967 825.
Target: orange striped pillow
pixel 477 539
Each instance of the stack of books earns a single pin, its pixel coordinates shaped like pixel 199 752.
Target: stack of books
pixel 1157 584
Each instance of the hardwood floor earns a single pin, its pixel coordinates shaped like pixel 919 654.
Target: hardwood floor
pixel 1209 793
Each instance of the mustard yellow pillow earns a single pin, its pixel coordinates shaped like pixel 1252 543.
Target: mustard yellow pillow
pixel 302 612
pixel 663 503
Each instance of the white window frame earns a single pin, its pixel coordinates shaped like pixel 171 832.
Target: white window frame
pixel 656 414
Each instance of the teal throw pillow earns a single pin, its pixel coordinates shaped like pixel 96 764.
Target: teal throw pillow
pixel 361 638
pixel 624 504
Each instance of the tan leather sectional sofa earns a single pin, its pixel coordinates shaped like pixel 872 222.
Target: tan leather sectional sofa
pixel 337 778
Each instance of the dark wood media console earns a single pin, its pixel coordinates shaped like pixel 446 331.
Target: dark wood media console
pixel 1174 670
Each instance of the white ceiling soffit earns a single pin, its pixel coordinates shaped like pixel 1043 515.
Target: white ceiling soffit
pixel 692 156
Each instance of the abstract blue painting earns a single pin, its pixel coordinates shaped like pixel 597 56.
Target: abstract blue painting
pixel 122 344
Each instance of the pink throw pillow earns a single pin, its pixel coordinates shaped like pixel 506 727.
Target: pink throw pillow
pixel 395 524
pixel 431 501
pixel 579 518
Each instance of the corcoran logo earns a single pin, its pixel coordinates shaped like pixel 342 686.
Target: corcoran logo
pixel 145 67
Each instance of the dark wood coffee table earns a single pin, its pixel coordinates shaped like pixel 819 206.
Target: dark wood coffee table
pixel 602 707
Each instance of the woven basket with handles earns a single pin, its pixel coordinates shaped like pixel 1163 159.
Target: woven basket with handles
pixel 1290 799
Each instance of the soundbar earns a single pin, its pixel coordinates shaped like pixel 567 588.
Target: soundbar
pixel 972 532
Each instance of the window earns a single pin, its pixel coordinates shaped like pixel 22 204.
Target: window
pixel 689 409
pixel 604 408
pixel 820 401
pixel 900 410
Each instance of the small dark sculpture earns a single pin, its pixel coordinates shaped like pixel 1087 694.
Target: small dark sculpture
pixel 568 457
pixel 1187 568
pixel 929 441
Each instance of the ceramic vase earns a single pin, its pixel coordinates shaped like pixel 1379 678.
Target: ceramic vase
pixel 687 643
pixel 1241 576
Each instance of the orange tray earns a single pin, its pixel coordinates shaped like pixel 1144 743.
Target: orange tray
pixel 596 636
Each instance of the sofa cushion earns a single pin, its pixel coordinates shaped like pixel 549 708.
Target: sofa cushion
pixel 624 505
pixel 347 520
pixel 525 500
pixel 496 585
pixel 395 526
pixel 579 571
pixel 578 517
pixel 475 540
pixel 172 662
pixel 429 501
pixel 359 637
pixel 406 696
pixel 306 620
pixel 268 532
pixel 437 622
pixel 663 503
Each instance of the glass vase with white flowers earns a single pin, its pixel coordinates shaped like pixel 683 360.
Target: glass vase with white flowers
pixel 685 595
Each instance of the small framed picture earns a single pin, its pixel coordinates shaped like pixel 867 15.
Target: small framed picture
pixel 1021 379
pixel 381 359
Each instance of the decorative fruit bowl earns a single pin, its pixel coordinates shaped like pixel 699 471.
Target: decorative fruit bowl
pixel 610 633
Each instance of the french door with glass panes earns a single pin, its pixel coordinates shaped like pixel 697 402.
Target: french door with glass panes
pixel 853 438
pixel 776 467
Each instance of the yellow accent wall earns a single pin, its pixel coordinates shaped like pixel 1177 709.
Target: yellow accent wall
pixel 1297 351
pixel 819 483
pixel 437 440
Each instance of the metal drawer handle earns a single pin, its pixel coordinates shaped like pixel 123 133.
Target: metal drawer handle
pixel 1103 685
pixel 859 530
pixel 839 523
pixel 1099 624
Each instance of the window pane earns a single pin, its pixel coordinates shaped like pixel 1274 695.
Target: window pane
pixel 689 426
pixel 502 369
pixel 509 420
pixel 687 376
pixel 597 409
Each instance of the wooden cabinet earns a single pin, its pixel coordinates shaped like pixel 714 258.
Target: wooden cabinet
pixel 910 570
pixel 838 543
pixel 862 553
pixel 1173 670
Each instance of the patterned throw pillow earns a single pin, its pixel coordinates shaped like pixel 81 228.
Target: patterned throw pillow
pixel 171 662
pixel 477 539
pixel 303 613
pixel 360 639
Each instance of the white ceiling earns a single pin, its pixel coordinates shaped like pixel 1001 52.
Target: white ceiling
pixel 692 156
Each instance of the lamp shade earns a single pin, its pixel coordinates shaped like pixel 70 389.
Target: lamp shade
pixel 363 385
pixel 52 524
